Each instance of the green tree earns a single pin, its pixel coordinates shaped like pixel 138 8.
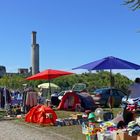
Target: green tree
pixel 12 81
pixel 134 4
pixel 92 80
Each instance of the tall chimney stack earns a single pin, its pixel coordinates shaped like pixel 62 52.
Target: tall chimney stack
pixel 33 37
pixel 35 54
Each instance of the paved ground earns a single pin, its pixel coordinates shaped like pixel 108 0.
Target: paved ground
pixel 10 130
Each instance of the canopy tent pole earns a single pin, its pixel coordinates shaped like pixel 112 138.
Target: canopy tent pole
pixel 111 78
pixel 49 88
pixel 111 100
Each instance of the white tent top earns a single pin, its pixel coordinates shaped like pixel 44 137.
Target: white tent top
pixel 46 85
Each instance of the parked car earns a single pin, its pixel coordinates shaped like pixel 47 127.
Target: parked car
pixel 101 96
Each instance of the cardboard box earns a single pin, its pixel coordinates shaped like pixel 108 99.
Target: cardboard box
pixel 125 136
pixel 76 116
pixel 138 137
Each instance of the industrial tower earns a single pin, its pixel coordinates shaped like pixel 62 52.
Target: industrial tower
pixel 35 54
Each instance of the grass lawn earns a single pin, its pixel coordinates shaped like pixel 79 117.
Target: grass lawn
pixel 2 114
pixel 74 132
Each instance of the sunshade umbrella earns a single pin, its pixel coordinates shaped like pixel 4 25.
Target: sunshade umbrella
pixel 46 85
pixel 48 75
pixel 109 63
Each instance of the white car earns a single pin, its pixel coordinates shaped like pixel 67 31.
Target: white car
pixel 62 93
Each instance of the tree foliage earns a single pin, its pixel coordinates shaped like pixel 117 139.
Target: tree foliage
pixel 92 80
pixel 134 4
pixel 12 81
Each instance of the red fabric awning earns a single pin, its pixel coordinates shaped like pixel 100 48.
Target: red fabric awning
pixel 48 74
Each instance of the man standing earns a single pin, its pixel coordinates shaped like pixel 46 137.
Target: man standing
pixel 134 89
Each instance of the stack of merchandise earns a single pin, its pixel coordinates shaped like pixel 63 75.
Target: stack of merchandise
pixel 133 128
pixel 131 132
pixel 89 128
pixel 75 119
pixel 107 131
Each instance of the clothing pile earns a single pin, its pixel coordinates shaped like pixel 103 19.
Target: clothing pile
pixel 133 128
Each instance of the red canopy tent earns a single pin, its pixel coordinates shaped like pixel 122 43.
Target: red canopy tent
pixel 48 75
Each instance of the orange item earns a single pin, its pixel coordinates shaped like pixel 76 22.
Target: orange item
pixel 41 114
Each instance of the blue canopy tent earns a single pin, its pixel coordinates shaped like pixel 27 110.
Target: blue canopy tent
pixel 109 63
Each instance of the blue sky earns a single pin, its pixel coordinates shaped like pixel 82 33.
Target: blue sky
pixel 70 33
